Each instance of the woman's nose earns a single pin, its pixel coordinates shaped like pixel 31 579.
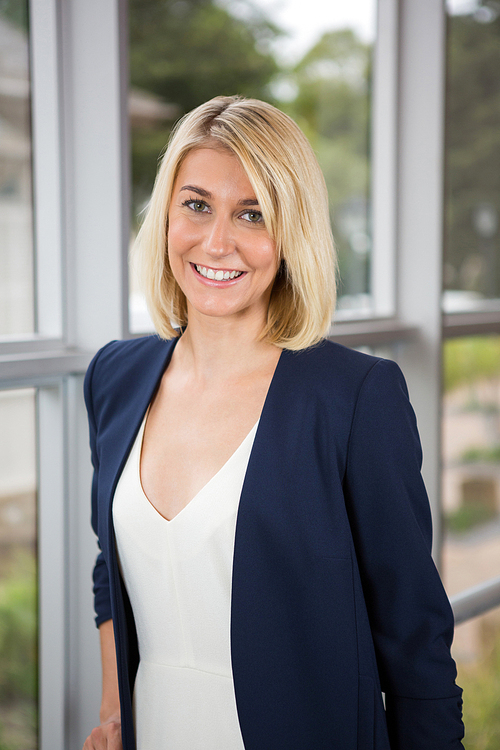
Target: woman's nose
pixel 219 240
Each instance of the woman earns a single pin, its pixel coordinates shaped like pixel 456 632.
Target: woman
pixel 265 570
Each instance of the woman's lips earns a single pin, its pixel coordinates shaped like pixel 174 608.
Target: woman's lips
pixel 220 275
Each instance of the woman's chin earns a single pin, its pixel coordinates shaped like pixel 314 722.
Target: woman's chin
pixel 240 314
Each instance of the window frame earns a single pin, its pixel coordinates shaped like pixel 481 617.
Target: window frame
pixel 80 293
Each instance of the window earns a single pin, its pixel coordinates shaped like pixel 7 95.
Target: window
pixel 472 244
pixel 314 62
pixel 55 311
pixel 471 460
pixel 471 357
pixel 18 571
pixel 471 428
pixel 476 649
pixel 16 236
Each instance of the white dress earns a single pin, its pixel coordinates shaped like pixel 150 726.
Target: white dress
pixel 178 578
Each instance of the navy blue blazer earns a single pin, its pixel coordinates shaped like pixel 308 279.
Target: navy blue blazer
pixel 335 597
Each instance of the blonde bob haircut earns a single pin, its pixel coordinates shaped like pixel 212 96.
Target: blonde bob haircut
pixel 291 191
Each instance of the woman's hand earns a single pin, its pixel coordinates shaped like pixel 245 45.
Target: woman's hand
pixel 107 736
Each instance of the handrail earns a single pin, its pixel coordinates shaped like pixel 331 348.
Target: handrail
pixel 476 600
pixel 471 323
pixel 372 332
pixel 32 367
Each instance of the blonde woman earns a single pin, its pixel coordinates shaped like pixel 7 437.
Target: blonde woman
pixel 265 571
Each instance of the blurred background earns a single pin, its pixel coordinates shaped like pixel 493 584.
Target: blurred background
pixel 401 102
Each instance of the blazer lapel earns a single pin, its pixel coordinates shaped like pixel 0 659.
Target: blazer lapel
pixel 126 412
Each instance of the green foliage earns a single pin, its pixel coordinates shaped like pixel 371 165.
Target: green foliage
pixel 468 359
pixel 18 631
pixel 332 92
pixel 186 52
pixel 333 108
pixel 467 517
pixel 481 455
pixel 147 148
pixel 19 725
pixel 473 144
pixel 15 11
pixel 481 683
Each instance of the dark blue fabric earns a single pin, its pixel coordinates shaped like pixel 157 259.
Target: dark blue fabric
pixel 335 596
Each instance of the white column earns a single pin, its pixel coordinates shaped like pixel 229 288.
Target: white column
pixel 52 568
pixel 420 219
pixel 83 657
pixel 47 172
pixel 95 79
pixel 384 159
pixel 96 172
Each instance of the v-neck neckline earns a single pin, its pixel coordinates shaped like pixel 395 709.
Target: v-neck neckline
pixel 141 427
pixel 137 467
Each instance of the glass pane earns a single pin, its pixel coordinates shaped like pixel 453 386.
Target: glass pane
pixel 313 60
pixel 472 236
pixel 477 652
pixel 16 233
pixel 18 576
pixel 471 461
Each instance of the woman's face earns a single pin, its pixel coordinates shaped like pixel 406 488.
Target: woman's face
pixel 218 246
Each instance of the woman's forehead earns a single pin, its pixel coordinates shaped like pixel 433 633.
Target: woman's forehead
pixel 213 167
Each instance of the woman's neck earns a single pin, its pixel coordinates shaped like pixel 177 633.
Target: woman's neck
pixel 218 349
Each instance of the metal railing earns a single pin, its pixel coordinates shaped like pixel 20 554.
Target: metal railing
pixel 476 600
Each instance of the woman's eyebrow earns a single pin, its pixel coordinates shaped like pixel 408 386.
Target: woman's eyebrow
pixel 206 194
pixel 249 202
pixel 194 189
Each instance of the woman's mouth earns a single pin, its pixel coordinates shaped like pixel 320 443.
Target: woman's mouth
pixel 217 274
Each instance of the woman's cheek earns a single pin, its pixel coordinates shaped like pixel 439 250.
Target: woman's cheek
pixel 182 235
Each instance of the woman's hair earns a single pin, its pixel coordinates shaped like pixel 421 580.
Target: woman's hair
pixel 291 192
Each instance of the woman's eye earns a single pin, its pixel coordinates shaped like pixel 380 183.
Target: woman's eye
pixel 196 206
pixel 254 217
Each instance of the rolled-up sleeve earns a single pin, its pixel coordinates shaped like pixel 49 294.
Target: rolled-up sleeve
pixel 410 616
pixel 102 600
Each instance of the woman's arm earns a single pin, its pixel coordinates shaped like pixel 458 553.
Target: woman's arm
pixel 107 736
pixel 110 704
pixel 410 617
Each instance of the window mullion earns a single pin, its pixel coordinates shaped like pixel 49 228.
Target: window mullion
pixel 420 222
pixel 52 567
pixel 47 187
pixel 384 159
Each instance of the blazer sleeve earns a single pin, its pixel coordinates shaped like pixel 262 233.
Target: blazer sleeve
pixel 410 616
pixel 102 599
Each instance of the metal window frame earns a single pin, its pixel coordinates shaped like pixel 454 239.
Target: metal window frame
pixel 471 324
pixel 384 108
pixel 485 596
pixel 48 183
pixel 80 186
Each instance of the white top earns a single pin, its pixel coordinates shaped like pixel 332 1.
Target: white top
pixel 178 577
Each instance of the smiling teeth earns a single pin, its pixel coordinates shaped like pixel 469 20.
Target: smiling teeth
pixel 209 273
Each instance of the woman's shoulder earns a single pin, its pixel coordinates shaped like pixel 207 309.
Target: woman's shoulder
pixel 334 364
pixel 121 364
pixel 340 379
pixel 129 353
pixel 128 349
